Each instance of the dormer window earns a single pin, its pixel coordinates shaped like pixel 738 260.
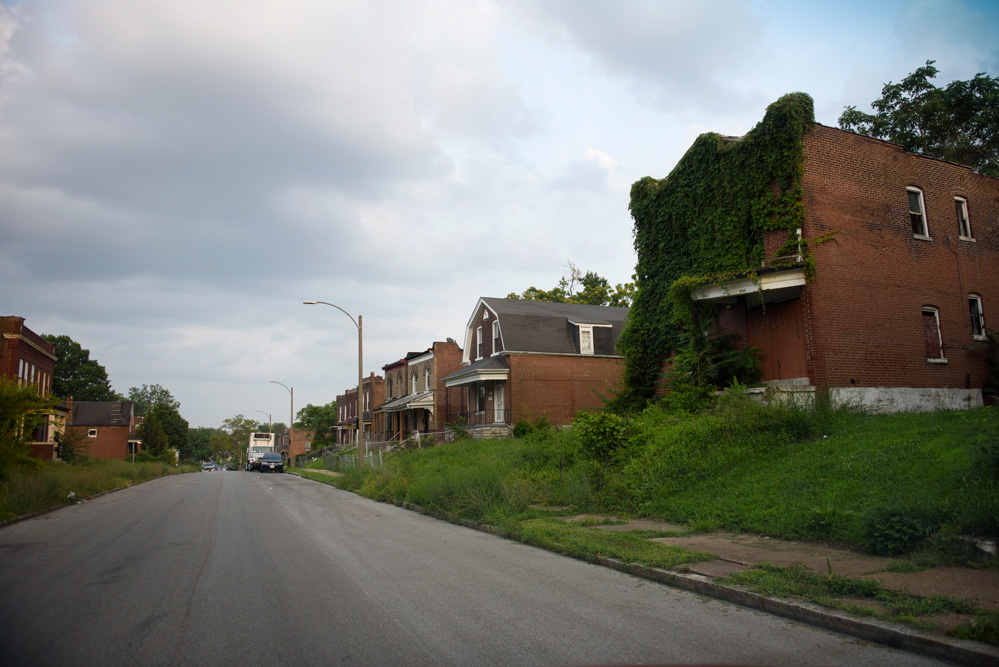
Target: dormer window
pixel 585 339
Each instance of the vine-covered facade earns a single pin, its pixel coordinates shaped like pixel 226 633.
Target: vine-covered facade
pixel 890 312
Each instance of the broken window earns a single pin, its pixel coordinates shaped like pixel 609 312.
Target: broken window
pixel 977 316
pixel 963 224
pixel 917 213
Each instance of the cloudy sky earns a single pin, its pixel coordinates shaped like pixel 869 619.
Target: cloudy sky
pixel 177 177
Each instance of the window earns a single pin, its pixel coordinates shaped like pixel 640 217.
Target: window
pixel 931 334
pixel 481 403
pixel 977 316
pixel 415 387
pixel 92 433
pixel 917 213
pixel 478 343
pixel 496 343
pixel 963 224
pixel 586 340
pixel 426 377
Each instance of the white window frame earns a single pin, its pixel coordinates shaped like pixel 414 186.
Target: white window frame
pixel 92 433
pixel 478 343
pixel 979 316
pixel 426 377
pixel 416 384
pixel 942 359
pixel 585 333
pixel 963 221
pixel 925 234
pixel 496 346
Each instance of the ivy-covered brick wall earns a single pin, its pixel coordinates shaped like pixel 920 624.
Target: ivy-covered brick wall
pixel 709 219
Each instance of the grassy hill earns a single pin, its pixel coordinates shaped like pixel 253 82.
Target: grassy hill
pixel 890 484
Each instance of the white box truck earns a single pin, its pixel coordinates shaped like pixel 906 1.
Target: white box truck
pixel 260 444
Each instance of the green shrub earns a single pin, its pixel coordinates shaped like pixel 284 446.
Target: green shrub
pixel 601 434
pixel 890 531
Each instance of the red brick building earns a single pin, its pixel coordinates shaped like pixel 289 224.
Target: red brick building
pixel 373 391
pixel 104 428
pixel 529 359
pixel 894 317
pixel 415 393
pixel 29 360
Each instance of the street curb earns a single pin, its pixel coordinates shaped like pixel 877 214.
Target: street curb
pixel 960 651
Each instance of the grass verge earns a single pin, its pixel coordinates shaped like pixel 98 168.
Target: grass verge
pixel 24 492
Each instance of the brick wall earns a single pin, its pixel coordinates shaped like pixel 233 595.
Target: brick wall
pixel 558 386
pixel 111 442
pixel 863 311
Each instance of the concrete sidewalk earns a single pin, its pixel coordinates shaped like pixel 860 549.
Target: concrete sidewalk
pixel 737 552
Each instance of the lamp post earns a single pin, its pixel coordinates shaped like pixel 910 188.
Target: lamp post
pixel 360 379
pixel 291 423
pixel 270 422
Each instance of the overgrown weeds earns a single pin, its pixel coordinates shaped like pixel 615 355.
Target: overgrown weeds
pixel 25 492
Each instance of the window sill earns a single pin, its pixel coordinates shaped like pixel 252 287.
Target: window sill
pixel 966 238
pixel 982 337
pixel 921 237
pixel 936 361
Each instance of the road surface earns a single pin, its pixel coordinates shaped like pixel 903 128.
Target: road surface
pixel 238 568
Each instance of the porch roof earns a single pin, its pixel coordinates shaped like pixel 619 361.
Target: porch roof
pixel 770 286
pixel 490 368
pixel 424 399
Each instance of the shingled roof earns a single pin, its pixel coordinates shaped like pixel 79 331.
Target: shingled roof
pixel 102 413
pixel 541 326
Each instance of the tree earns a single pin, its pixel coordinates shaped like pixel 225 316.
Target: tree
pixel 155 442
pixel 198 440
pixel 78 376
pixel 959 123
pixel 148 397
pixel 22 410
pixel 589 288
pixel 175 428
pixel 319 419
pixel 224 448
pixel 239 428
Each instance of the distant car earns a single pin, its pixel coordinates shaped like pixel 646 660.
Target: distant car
pixel 207 466
pixel 271 461
pixel 230 467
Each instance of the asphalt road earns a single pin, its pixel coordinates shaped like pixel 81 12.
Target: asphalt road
pixel 240 568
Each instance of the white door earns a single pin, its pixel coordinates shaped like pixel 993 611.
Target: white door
pixel 499 404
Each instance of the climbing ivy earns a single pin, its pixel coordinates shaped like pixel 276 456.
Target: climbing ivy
pixel 705 222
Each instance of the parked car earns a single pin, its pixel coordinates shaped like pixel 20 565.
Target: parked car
pixel 207 466
pixel 271 461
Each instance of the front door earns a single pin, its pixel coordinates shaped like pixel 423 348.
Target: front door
pixel 499 404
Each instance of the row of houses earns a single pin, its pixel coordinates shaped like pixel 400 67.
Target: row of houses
pixel 893 317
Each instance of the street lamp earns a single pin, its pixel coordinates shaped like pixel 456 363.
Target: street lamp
pixel 360 379
pixel 291 423
pixel 270 422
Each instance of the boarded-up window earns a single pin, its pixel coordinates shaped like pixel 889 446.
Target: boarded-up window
pixel 931 333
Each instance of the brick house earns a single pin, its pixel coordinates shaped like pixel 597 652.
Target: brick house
pixel 104 427
pixel 529 359
pixel 373 389
pixel 29 360
pixel 894 316
pixel 415 393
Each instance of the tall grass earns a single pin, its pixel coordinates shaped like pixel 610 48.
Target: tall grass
pixel 880 482
pixel 25 492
